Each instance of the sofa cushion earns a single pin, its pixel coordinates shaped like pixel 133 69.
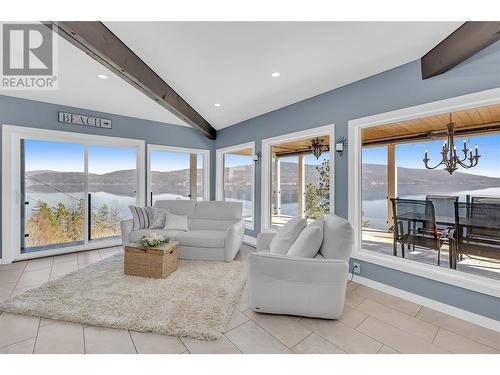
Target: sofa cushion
pixel 201 238
pixel 176 222
pixel 192 238
pixel 177 207
pixel 136 234
pixel 287 236
pixel 309 241
pixel 205 224
pixel 156 217
pixel 218 210
pixel 338 238
pixel 140 217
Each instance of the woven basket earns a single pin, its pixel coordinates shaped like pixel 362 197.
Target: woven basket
pixel 154 262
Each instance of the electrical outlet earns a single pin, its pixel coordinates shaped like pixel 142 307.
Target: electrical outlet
pixel 356 268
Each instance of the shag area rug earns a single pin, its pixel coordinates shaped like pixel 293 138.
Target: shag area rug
pixel 195 301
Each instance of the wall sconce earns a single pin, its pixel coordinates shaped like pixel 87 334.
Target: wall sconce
pixel 341 144
pixel 256 157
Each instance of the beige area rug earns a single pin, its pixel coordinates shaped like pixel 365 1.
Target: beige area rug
pixel 195 301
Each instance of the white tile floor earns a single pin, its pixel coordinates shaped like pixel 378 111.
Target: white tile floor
pixel 373 322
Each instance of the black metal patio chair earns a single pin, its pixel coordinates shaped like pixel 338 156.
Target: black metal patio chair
pixel 477 228
pixel 415 225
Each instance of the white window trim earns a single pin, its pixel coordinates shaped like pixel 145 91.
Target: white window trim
pixel 266 168
pixel 219 175
pixel 206 165
pixel 453 277
pixel 11 175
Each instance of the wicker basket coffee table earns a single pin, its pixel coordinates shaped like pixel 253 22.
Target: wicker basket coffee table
pixel 154 262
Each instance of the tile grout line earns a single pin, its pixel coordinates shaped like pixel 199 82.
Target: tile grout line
pixel 36 337
pixel 310 333
pixel 133 343
pixel 270 334
pixel 394 326
pixel 84 343
pixel 236 346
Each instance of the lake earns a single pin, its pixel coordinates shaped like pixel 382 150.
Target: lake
pixel 375 211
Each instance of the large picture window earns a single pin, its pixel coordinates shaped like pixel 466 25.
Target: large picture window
pixel 297 176
pixel 236 178
pixel 177 173
pixel 412 213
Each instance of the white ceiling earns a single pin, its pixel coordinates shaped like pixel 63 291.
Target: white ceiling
pixel 231 64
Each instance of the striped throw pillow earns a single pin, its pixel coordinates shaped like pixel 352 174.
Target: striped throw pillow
pixel 140 217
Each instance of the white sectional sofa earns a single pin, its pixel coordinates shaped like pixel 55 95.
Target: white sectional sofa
pixel 313 287
pixel 215 232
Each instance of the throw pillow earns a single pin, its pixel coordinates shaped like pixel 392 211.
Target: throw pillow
pixel 176 222
pixel 287 236
pixel 140 217
pixel 309 241
pixel 157 217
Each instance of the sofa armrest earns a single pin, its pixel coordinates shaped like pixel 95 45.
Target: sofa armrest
pixel 305 270
pixel 126 227
pixel 281 284
pixel 264 240
pixel 234 239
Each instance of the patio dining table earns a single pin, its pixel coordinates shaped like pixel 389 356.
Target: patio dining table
pixel 449 222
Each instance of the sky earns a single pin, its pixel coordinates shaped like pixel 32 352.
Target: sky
pixel 233 160
pixel 411 155
pixel 165 161
pixel 69 157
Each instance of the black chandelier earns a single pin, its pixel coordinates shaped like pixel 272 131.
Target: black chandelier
pixel 317 147
pixel 450 160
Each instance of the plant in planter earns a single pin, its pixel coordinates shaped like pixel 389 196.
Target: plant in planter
pixel 152 240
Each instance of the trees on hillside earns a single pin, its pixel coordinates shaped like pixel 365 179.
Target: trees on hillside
pixel 317 197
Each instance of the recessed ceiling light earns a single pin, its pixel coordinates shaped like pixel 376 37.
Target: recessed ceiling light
pixel 102 76
pixel 217 105
pixel 275 74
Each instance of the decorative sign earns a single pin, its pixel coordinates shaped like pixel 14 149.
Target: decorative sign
pixel 95 122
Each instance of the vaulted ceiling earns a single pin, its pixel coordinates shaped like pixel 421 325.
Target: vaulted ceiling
pixel 231 64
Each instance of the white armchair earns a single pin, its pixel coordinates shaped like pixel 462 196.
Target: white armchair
pixel 313 287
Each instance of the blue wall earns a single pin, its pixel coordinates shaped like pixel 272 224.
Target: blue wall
pixel 391 90
pixel 395 89
pixel 29 113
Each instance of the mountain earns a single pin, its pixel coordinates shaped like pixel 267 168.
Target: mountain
pixel 411 181
pixel 415 181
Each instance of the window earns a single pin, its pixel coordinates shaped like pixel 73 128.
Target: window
pixel 295 182
pixel 74 189
pixel 236 183
pixel 177 173
pixel 394 144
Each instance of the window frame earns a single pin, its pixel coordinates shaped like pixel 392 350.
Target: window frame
pixel 266 168
pixel 219 182
pixel 456 278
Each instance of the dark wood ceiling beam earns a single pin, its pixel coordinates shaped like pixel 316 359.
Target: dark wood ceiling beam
pixel 95 39
pixel 464 42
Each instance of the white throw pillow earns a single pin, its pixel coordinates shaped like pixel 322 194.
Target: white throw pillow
pixel 176 222
pixel 309 241
pixel 287 236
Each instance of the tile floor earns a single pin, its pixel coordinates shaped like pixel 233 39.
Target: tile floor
pixel 373 322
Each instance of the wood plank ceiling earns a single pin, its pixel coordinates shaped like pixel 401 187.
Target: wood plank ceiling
pixel 297 147
pixel 471 121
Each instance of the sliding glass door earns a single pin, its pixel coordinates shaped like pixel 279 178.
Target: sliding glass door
pixel 67 192
pixel 53 194
pixel 177 173
pixel 112 187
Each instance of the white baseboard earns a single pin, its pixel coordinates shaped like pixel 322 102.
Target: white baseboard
pixel 439 306
pixel 249 240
